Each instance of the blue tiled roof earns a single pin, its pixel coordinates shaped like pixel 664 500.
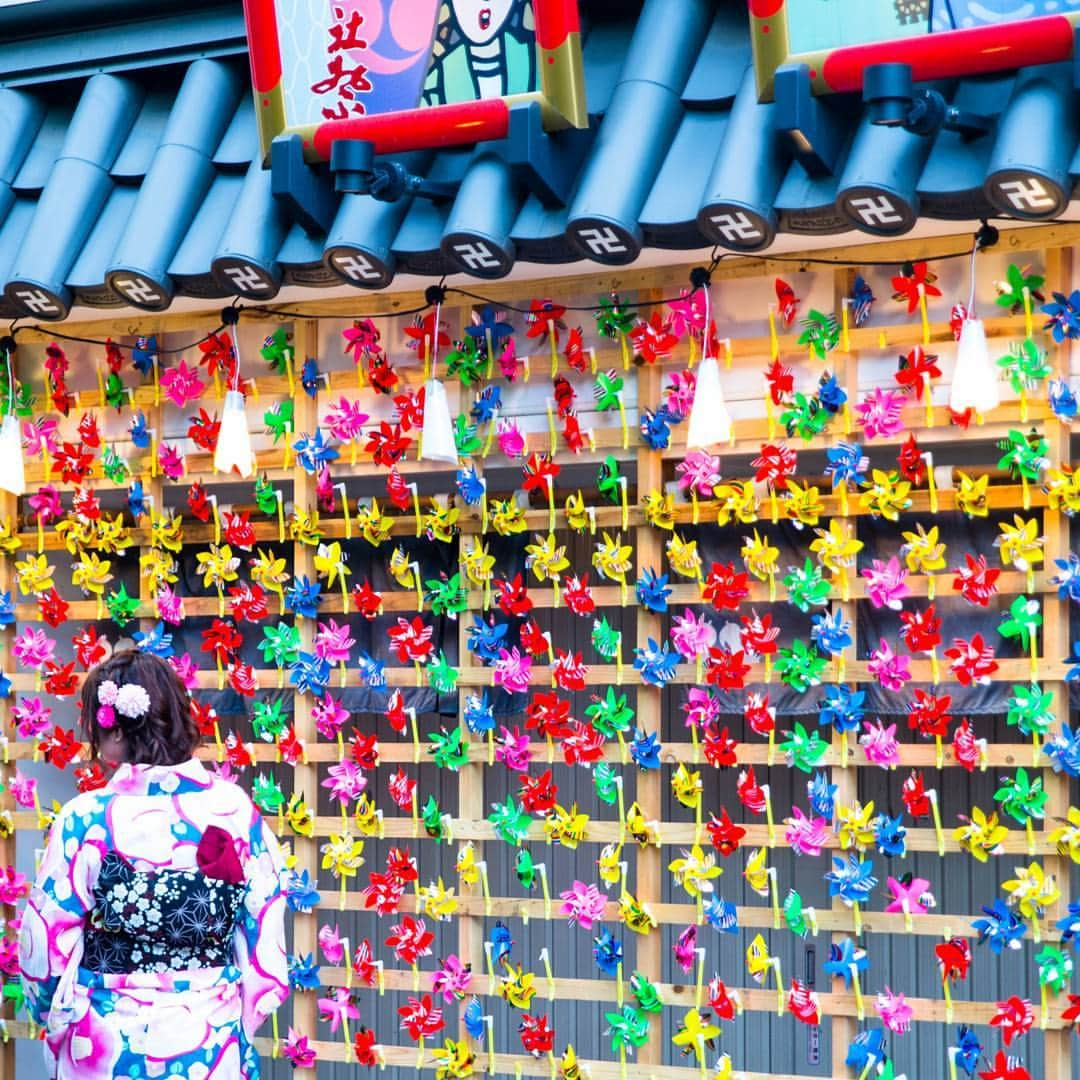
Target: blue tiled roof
pixel 136 185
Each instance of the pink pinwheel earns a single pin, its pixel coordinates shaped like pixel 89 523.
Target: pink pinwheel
pixel 338 1008
pixel 880 413
pixel 509 364
pixel 688 313
pixel 452 980
pixel 346 781
pixel 685 948
pixel 299 1051
pixel 187 669
pixel 806 835
pixel 890 670
pixel 182 384
pixel 512 749
pixel 34 648
pixel 702 708
pixel 23 789
pixel 324 490
pixel 330 716
pixel 32 717
pixel 345 420
pixel 886 584
pixel 910 896
pixel 512 671
pixel 879 743
pixel 13 886
pixel 692 635
pixel 894 1011
pixel 41 436
pixel 171 461
pixel 511 441
pixel 333 949
pixel 679 393
pixel 45 503
pixel 170 606
pixel 583 905
pixel 332 642
pixel 699 472
pixel 362 339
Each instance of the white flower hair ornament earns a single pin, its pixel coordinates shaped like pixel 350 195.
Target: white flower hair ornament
pixel 129 700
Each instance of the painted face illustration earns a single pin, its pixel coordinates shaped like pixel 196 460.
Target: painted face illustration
pixel 481 20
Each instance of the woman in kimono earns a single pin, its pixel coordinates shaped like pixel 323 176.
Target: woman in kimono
pixel 153 942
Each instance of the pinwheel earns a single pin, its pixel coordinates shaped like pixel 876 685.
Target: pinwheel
pixel 775 464
pixel 848 962
pixel 981 834
pixel 695 1033
pixel 1014 1017
pixel 972 661
pixel 896 1014
pixel 806 587
pixel 628 1029
pixel 1031 891
pixel 799 667
pixel 296 1047
pixel 182 384
pixel 867 1048
pixel 881 413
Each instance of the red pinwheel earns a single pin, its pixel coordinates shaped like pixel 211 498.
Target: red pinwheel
pixel 965 745
pixel 758 635
pixel 916 281
pixel 976 582
pixel 397 489
pixel 205 717
pixel 381 373
pixel 198 503
pixel 787 303
pixel 961 420
pixel 781 381
pixel 972 662
pixel 60 748
pixel 536 1036
pixel 242 679
pixel 60 679
pixel 911 461
pixel 564 395
pixel 222 640
pixel 89 433
pixel 216 354
pixel 573 436
pixel 913 794
pixel 401 866
pixel 53 607
pixel 424 336
pixel 774 464
pixel 1071 1014
pixel 958 313
pixel 85 504
pixel 401 787
pixel 954 958
pixel 929 714
pixel 364 750
pixel 114 358
pixel 238 754
pixel 724 834
pixel 90 777
pixel 363 963
pixel 383 894
pixel 420 1018
pixel 583 746
pixel 725 587
pixel 513 597
pixel 364 1046
pixel 720 1001
pixel 544 319
pixel 395 712
pixel 548 714
pixel 247 602
pixel 410 939
pixel 759 717
pixel 653 339
pixel 575 353
pixel 725 669
pixel 387 445
pixel 916 370
pixel 409 409
pixel 237 530
pixel 411 640
pixel 366 600
pixel 1015 1017
pixel 719 747
pixel 803 1003
pixel 89 648
pixel 568 671
pixel 578 596
pixel 72 464
pixel 533 640
pixel 203 430
pixel 922 629
pixel 539 474
pixel 1005 1068
pixel 750 792
pixel 538 793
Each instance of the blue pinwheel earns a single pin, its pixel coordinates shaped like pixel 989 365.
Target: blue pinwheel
pixel 851 879
pixel 309 376
pixel 7 608
pixel 140 433
pixel 304 597
pixel 608 952
pixel 371 672
pixel 1063 750
pixel 157 642
pixel 489 326
pixel 721 915
pixel 1001 928
pixel 1063 316
pixel 1070 925
pixel 652 590
pixel 890 835
pixel 1062 400
pixel 488 402
pixel 309 674
pixel 861 300
pixel 968 1050
pixel 136 500
pixel 845 960
pixel 1068 580
pixel 866 1049
pixel 822 796
pixel 143 354
pixel 846 464
pixel 1073 660
pixel 473 1018
pixel 304 972
pixel 831 632
pixel 831 394
pixel 470 486
pixel 645 750
pixel 300 892
pixel 656 664
pixel 655 426
pixel 479 714
pixel 313 452
pixel 842 708
pixel 486 638
pixel 501 942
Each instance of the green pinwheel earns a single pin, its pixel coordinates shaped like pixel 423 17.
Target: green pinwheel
pixel 114 467
pixel 267 795
pixel 807 587
pixel 805 417
pixel 279 420
pixel 613 319
pixel 442 675
pixel 1011 291
pixel 610 714
pixel 795 914
pixel 1022 621
pixel 511 821
pixel 122 607
pixel 1055 968
pixel 448 749
pixel 1025 366
pixel 820 333
pixel 268 720
pixel 608 391
pixel 646 994
pixel 115 394
pixel 13 992
pixel 605 638
pixel 446 596
pixel 432 818
pixel 609 480
pixel 265 496
pixel 804 750
pixel 525 868
pixel 1024 456
pixel 280 645
pixel 466 362
pixel 629 1029
pixel 1031 710
pixel 466 437
pixel 1022 797
pixel 277 351
pixel 605 778
pixel 800 667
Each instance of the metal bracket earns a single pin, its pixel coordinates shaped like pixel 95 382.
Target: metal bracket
pixel 306 194
pixel 816 129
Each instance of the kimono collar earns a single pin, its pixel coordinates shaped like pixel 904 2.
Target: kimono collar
pixel 136 779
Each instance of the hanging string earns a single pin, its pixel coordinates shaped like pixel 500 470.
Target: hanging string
pixel 971 295
pixel 11 382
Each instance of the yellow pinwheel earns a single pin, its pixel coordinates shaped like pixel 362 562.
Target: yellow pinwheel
pixel 694 1034
pixel 401 570
pixel 440 522
pixel 887 496
pixel 635 915
pixel 10 542
pixel 438 901
pixel 972 495
pixel 577 513
pixel 756 871
pixel 112 535
pixel 342 854
pixel 507 518
pixel 218 566
pixel 478 562
pixel 330 563
pixel 366 817
pixel 268 570
pixel 34 575
pixel 738 503
pixel 684 558
pixel 923 550
pixel 981 835
pixel 167 532
pixel 644 832
pixel 517 987
pixel 1067 837
pixel 466 866
pixel 304 527
pixel 547 559
pixel 158 567
pixel 607 866
pixel 855 827
pixel 659 509
pixel 1020 544
pixel 695 871
pixel 802 503
pixel 566 827
pixel 613 559
pixel 373 524
pixel 76 533
pixel 686 786
pixel 1063 489
pixel 835 547
pixel 1032 890
pixel 758 961
pixel 759 556
pixel 91 573
pixel 453 1060
pixel 299 816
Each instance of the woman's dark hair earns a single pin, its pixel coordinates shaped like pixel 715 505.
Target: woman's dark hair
pixel 167 733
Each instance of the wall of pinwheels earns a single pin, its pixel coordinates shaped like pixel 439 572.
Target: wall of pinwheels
pixel 753 761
